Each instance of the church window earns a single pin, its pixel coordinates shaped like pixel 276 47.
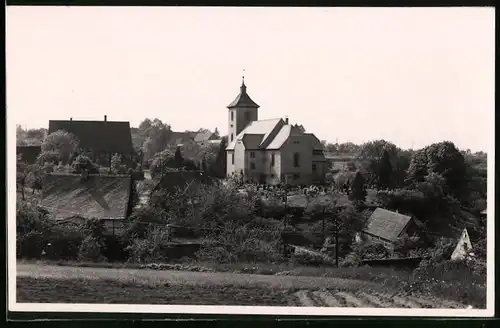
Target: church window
pixel 272 160
pixel 232 116
pixel 232 158
pixel 232 137
pixel 296 159
pixel 314 168
pixel 252 154
pixel 252 166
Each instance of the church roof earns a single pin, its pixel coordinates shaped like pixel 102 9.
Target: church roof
pixel 263 128
pixel 243 99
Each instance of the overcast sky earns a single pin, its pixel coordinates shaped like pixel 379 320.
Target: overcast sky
pixel 408 75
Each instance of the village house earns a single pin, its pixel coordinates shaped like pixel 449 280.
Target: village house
pixel 387 227
pixel 99 140
pixel 72 198
pixel 270 151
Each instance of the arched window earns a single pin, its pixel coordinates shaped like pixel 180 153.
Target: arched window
pixel 296 159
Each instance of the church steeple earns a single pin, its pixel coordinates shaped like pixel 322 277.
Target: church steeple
pixel 242 111
pixel 243 87
pixel 243 100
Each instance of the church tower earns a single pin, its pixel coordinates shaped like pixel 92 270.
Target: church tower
pixel 242 111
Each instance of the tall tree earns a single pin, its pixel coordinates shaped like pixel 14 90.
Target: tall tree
pixel 358 189
pixel 178 157
pixel 385 171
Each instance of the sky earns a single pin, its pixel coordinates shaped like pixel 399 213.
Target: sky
pixel 412 76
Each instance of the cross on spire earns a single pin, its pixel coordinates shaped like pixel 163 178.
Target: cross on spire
pixel 243 78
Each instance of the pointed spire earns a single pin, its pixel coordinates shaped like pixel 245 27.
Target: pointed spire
pixel 243 86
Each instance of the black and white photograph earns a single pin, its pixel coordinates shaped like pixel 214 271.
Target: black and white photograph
pixel 245 160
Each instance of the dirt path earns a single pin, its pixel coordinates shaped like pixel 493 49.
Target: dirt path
pixel 292 290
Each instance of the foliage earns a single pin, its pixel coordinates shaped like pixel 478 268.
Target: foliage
pixel 156 134
pixel 151 248
pixel 178 157
pixel 52 157
pixel 117 165
pixel 442 158
pixel 91 250
pixel 234 242
pixel 81 163
pixel 358 189
pixel 161 162
pixel 62 143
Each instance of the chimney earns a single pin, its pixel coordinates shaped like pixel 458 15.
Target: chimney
pixel 286 120
pixel 105 118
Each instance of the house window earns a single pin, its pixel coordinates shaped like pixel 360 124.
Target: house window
pixel 272 160
pixel 314 167
pixel 252 166
pixel 232 116
pixel 232 158
pixel 296 159
pixel 232 137
pixel 252 154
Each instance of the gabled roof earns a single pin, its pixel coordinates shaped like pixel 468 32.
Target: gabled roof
pixel 262 127
pixel 173 180
pixel 101 196
pixel 243 99
pixel 204 136
pixel 386 224
pixel 280 138
pixel 182 137
pixel 106 136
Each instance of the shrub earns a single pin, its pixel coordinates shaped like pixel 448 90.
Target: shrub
pixel 65 242
pixel 151 248
pixel 83 163
pixel 244 243
pixel 30 245
pixel 91 250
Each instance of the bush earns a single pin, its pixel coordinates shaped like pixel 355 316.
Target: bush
pixel 242 243
pixel 65 242
pixel 30 245
pixel 83 163
pixel 151 248
pixel 90 250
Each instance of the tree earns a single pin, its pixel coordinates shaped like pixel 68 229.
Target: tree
pixel 117 166
pixel 221 160
pixel 161 162
pixel 82 163
pixel 442 158
pixel 22 171
pixel 62 143
pixel 371 155
pixel 385 171
pixel 179 160
pixel 358 190
pixel 157 135
pixel 216 133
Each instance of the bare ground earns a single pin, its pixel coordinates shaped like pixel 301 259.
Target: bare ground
pixel 44 283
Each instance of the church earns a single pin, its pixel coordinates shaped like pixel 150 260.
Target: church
pixel 270 151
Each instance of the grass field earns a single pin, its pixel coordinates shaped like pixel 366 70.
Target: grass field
pixel 44 283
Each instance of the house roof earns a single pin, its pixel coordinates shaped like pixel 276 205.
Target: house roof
pixel 243 99
pixel 29 154
pixel 386 224
pixel 280 138
pixel 180 179
pixel 101 196
pixel 182 137
pixel 109 136
pixel 203 136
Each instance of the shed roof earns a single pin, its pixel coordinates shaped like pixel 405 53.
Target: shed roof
pixel 109 136
pixel 101 196
pixel 386 224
